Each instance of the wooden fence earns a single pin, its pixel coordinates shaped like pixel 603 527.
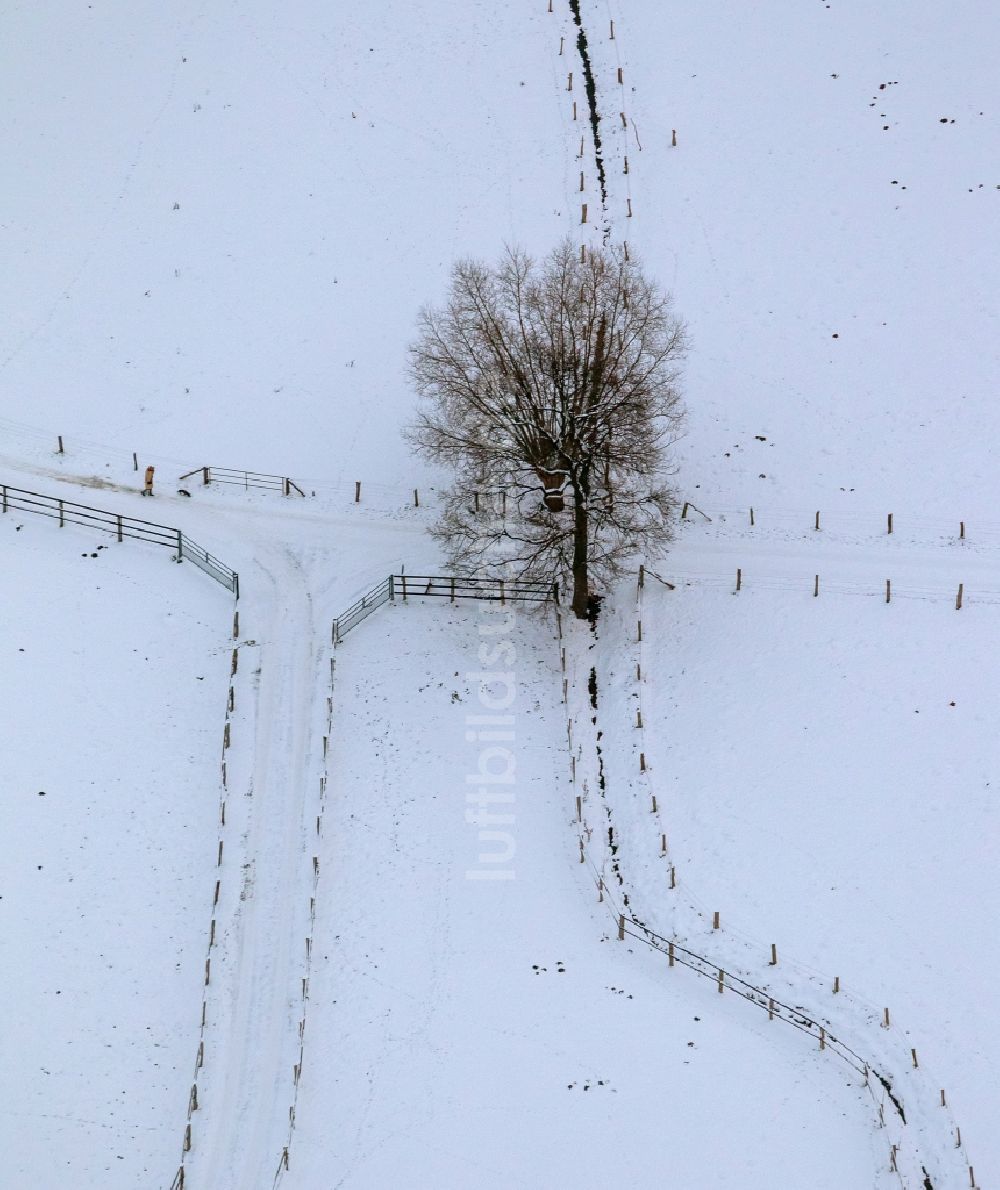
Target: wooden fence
pixel 450 587
pixel 245 479
pixel 66 512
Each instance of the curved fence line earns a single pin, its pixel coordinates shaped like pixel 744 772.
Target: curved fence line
pixel 67 512
pixel 890 1109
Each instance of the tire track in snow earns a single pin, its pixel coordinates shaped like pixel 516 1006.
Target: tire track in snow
pixel 244 1122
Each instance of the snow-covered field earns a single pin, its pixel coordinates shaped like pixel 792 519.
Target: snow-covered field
pixel 221 225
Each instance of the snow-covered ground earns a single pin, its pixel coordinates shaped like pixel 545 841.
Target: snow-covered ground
pixel 222 224
pixel 114 697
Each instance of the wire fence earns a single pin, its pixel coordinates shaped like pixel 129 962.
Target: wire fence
pixel 67 512
pixel 905 1163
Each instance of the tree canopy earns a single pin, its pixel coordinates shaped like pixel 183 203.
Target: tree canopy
pixel 550 388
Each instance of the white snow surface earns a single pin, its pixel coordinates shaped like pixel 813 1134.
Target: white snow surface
pixel 220 225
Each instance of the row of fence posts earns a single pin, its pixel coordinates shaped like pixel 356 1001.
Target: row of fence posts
pixel 889 520
pixel 644 769
pixel 959 595
pixel 283 1160
pixel 288 483
pixel 193 1100
pixel 213 936
pixel 61 450
pixel 620 82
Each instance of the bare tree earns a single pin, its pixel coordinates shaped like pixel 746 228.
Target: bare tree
pixel 550 388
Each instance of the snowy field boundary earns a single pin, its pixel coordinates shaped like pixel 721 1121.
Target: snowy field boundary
pixel 283 1160
pixel 925 1150
pixel 199 1062
pixel 450 587
pixel 67 512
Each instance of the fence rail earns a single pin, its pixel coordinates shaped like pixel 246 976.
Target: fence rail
pixel 362 609
pixel 630 927
pixel 67 512
pixel 450 587
pixel 245 479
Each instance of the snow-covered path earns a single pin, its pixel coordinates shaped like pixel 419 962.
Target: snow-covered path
pixel 251 1042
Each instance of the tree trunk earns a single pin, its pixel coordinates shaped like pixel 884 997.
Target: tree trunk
pixel 581 543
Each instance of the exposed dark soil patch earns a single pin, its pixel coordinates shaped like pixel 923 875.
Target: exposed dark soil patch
pixel 888 1090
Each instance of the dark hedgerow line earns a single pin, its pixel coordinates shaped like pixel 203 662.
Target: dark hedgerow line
pixel 591 89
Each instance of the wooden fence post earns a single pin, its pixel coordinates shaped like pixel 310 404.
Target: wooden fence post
pixel 62 519
pixel 774 955
pixel 961 530
pixel 118 518
pixel 621 927
pixel 357 491
pixel 204 477
pixel 60 451
pixel 751 518
pixel 958 597
pixel 739 578
pixel 416 498
pixel 890 522
pixel 816 585
pixel 888 590
pixel 817 522
pixel 135 461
